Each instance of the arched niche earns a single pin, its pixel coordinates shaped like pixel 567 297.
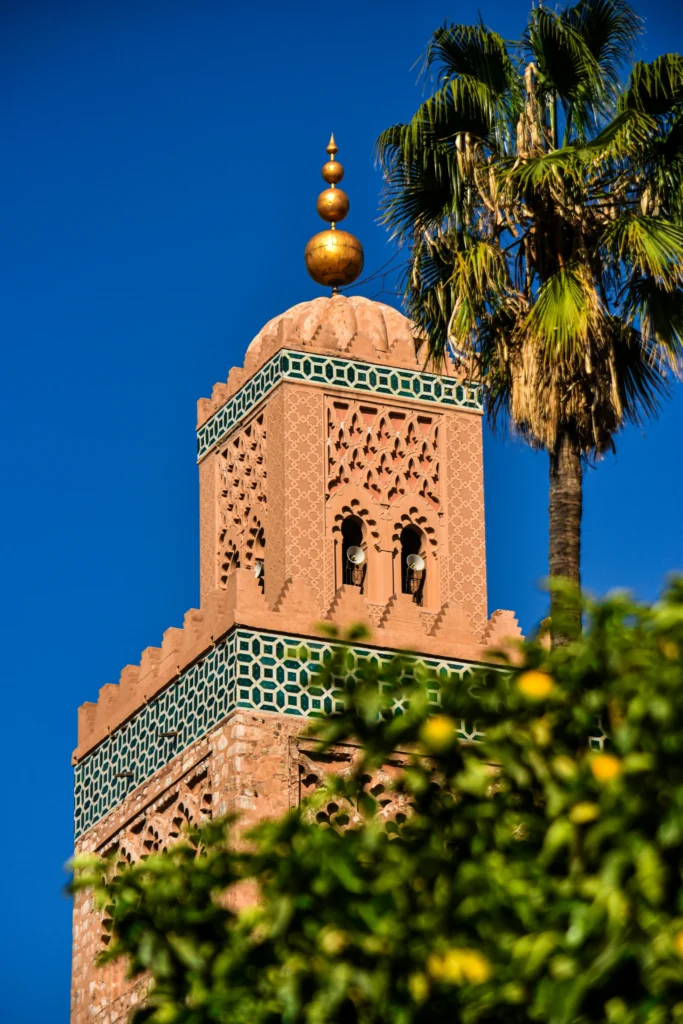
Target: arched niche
pixel 259 557
pixel 352 537
pixel 413 563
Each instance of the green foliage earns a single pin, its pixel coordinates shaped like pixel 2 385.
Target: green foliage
pixel 567 160
pixel 532 878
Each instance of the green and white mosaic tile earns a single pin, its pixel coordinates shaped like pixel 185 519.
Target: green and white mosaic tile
pixel 364 378
pixel 249 669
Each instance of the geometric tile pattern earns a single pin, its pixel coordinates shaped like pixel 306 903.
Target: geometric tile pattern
pixel 339 373
pixel 251 669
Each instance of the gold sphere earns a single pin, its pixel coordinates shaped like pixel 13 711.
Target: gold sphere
pixel 333 172
pixel 333 204
pixel 334 258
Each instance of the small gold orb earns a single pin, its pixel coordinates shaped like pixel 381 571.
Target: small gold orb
pixel 334 258
pixel 333 204
pixel 333 172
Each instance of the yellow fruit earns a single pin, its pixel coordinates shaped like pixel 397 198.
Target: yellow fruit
pixel 565 767
pixel 678 944
pixel 541 732
pixel 476 967
pixel 418 986
pixel 669 649
pixel 584 812
pixel 333 941
pixel 439 732
pixel 459 966
pixel 535 685
pixel 606 767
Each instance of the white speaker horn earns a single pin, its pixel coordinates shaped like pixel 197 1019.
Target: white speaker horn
pixel 355 555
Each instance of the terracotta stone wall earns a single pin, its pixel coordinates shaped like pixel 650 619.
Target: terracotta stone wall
pixel 464 566
pixel 245 765
pixel 309 457
pixel 208 530
pixel 257 765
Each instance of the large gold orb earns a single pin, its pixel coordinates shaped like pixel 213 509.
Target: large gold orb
pixel 334 258
pixel 333 172
pixel 333 205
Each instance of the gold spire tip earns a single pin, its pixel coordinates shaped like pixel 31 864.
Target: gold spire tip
pixel 333 257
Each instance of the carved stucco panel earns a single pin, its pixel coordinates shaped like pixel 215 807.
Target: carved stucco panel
pixel 304 486
pixel 465 564
pixel 390 451
pixel 384 465
pixel 242 497
pixel 275 541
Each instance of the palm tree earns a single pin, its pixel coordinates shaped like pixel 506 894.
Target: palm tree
pixel 541 205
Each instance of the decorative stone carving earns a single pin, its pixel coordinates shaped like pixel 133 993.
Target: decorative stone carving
pixel 242 504
pixel 310 767
pixel 390 452
pixel 188 802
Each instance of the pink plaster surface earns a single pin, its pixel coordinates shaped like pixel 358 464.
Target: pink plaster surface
pixel 344 325
pixel 305 459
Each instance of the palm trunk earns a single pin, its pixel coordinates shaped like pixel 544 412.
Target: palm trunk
pixel 564 552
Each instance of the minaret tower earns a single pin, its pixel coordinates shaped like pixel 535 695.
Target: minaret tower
pixel 340 481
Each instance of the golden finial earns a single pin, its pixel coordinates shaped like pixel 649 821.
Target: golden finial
pixel 333 257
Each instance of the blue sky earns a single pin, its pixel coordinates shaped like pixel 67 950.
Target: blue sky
pixel 160 168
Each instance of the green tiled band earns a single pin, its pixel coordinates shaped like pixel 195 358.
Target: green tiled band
pixel 248 669
pixel 366 378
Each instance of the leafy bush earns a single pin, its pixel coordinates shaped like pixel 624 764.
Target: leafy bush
pixel 534 879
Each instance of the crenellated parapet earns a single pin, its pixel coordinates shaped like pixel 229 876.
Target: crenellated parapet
pixel 295 612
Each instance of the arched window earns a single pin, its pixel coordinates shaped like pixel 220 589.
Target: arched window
pixel 260 558
pixel 353 556
pixel 413 570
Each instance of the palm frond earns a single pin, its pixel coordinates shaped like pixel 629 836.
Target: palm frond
pixel 642 376
pixel 623 138
pixel 427 294
pixel 609 29
pixel 650 246
pixel 660 163
pixel 537 171
pixel 470 50
pixel 420 195
pixel 658 313
pixel 412 143
pixel 655 88
pixel 565 312
pixel 563 58
pixel 477 53
pixel 480 278
pixel 411 203
pixel 463 105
